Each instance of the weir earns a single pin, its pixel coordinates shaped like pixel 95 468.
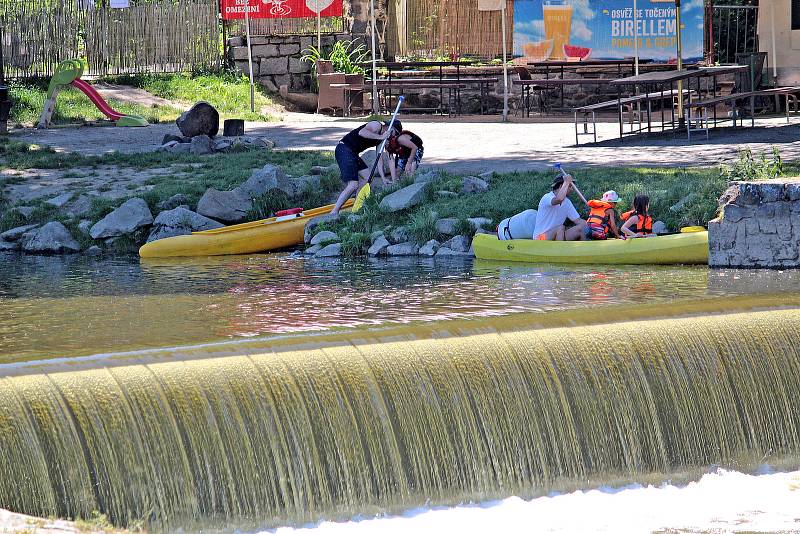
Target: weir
pixel 331 430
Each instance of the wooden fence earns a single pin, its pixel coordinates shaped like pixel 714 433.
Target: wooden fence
pixel 443 27
pixel 150 36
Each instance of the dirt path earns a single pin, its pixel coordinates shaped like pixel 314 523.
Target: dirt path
pixel 470 146
pixel 135 95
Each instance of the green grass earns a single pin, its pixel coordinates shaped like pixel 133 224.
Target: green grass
pixel 72 106
pixel 229 93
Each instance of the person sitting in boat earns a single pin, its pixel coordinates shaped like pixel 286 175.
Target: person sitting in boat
pixel 638 222
pixel 554 210
pixel 353 170
pixel 406 147
pixel 601 221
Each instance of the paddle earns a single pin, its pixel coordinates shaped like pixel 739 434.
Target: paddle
pixel 558 167
pixel 365 191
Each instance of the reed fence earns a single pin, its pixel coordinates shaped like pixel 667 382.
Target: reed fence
pixel 149 36
pixel 445 27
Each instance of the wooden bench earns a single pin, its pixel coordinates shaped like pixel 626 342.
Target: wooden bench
pixel 622 105
pixel 700 121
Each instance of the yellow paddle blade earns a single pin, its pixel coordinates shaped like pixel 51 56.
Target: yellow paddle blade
pixel 692 229
pixel 361 198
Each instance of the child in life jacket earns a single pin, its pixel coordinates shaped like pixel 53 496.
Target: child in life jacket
pixel 638 222
pixel 601 221
pixel 406 147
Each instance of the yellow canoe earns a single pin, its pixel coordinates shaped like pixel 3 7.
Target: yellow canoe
pixel 685 248
pixel 245 238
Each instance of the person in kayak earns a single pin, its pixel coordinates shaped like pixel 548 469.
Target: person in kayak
pixel 638 222
pixel 354 172
pixel 554 210
pixel 406 147
pixel 601 222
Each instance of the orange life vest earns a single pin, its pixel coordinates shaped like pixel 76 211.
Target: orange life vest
pixel 643 226
pixel 598 214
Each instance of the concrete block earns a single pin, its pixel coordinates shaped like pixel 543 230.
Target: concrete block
pixel 273 66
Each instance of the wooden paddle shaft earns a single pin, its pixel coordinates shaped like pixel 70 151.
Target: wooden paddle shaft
pixel 383 143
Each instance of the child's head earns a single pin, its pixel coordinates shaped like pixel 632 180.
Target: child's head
pixel 640 204
pixel 611 197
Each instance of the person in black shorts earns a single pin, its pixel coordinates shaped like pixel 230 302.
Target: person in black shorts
pixel 353 170
pixel 407 149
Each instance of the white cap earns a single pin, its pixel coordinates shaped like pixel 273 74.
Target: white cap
pixel 610 196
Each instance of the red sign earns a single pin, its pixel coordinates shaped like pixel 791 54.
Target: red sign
pixel 276 9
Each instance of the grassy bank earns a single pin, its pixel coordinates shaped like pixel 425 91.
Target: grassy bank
pixel 679 196
pixel 229 93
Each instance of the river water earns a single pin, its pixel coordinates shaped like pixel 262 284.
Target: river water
pixel 75 305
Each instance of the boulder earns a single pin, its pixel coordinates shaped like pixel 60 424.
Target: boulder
pixel 403 249
pixel 313 223
pixel 52 238
pixel 178 148
pixel 8 246
pixel 201 145
pixel 325 237
pixel 375 235
pixel 227 206
pixel 660 227
pixel 444 251
pixel 459 243
pixel 447 226
pixel 173 202
pixel 81 206
pixel 316 170
pixel 201 119
pixel 479 223
pixel 429 248
pixel 486 176
pixel 471 184
pixel 180 221
pixel 60 201
pixel 265 179
pixel 426 177
pixel 330 251
pixel 25 211
pixel 221 145
pixel 15 234
pixel 94 250
pixel 126 219
pixel 404 198
pixel 379 246
pixel 399 235
pixel 310 251
pixel 169 138
pixel 307 183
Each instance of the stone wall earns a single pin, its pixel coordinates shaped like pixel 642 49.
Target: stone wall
pixel 759 225
pixel 276 59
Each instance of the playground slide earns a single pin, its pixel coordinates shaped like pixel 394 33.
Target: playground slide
pixel 96 99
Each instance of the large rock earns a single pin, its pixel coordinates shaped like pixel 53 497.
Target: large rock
pixel 60 201
pixel 201 145
pixel 379 246
pixel 430 248
pixel 445 251
pixel 447 226
pixel 403 249
pixel 265 179
pixel 201 119
pixel 399 235
pixel 325 237
pixel 52 238
pixel 459 243
pixel 126 219
pixel 404 198
pixel 227 206
pixel 310 251
pixel 660 227
pixel 471 184
pixel 173 202
pixel 80 207
pixel 15 233
pixel 180 221
pixel 426 176
pixel 330 251
pixel 8 246
pixel 479 223
pixel 312 224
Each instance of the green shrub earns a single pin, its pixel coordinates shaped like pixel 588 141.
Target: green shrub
pixel 422 226
pixel 266 205
pixel 354 244
pixel 747 167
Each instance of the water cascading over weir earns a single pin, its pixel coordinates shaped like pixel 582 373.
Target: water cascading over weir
pixel 336 425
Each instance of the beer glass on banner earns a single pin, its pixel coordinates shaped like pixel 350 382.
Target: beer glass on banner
pixel 557 24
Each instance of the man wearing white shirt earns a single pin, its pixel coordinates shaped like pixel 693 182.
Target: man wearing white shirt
pixel 554 210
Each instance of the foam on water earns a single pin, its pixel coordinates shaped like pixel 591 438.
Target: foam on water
pixel 723 501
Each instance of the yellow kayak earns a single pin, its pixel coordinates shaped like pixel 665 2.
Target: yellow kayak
pixel 246 238
pixel 684 248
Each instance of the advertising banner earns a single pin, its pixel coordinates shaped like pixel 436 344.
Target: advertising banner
pixel 605 29
pixel 275 9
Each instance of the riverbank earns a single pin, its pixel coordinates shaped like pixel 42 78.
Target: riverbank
pixel 13 523
pixel 79 192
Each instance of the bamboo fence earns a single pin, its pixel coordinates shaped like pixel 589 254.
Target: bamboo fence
pixel 444 27
pixel 149 36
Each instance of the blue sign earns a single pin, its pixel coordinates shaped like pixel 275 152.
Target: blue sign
pixel 606 29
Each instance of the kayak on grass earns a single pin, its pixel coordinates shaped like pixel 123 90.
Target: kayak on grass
pixel 246 238
pixel 683 248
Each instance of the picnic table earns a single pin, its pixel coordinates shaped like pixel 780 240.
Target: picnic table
pixel 452 85
pixel 542 85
